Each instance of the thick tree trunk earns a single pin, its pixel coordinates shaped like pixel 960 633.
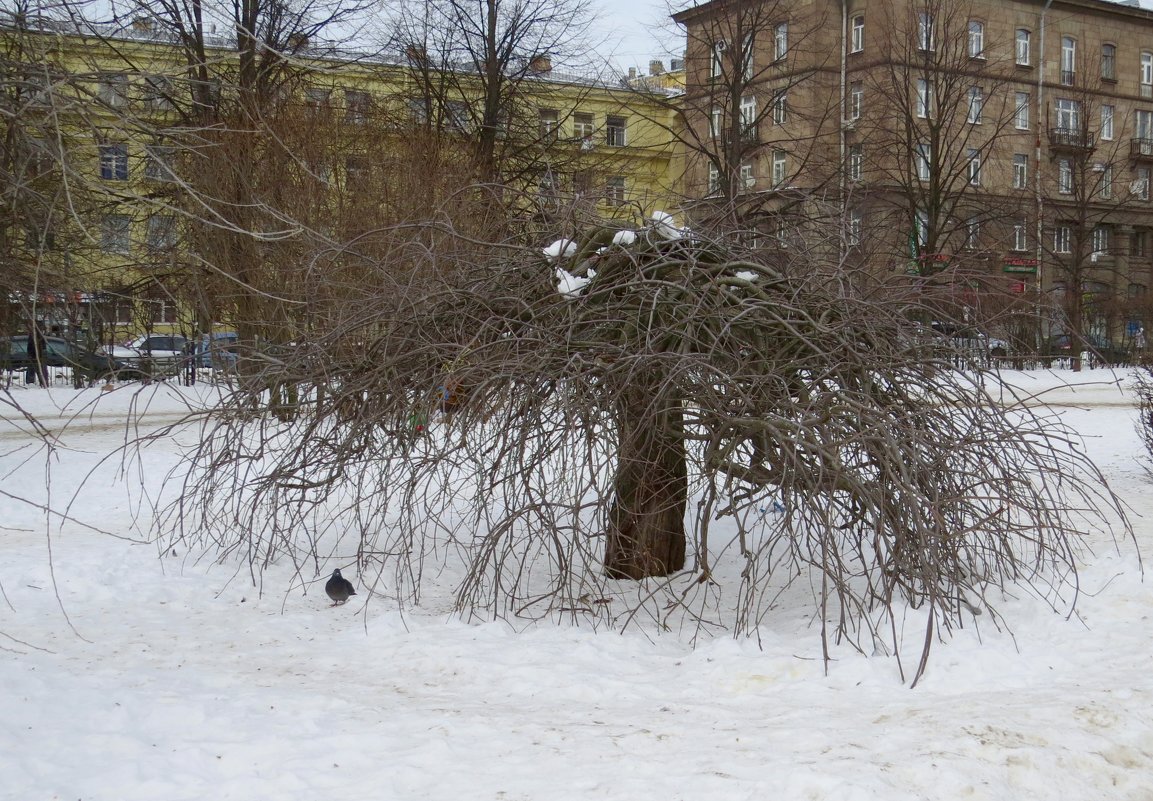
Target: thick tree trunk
pixel 646 531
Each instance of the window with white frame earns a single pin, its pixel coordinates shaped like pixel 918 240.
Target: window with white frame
pixel 114 89
pixel 615 131
pixel 1146 74
pixel 717 59
pixel 114 162
pixel 748 178
pixel 158 92
pixel 357 106
pixel 1105 188
pixel 781 108
pixel 856 100
pixel 749 116
pixel 1139 188
pixel 549 123
pixel 972 233
pixel 924 98
pixel 976 39
pixel 161 232
pixel 748 51
pixel 925 38
pixel 1144 125
pixel 924 161
pixel 115 233
pixel 780 40
pixel 921 228
pixel 714 178
pixel 780 167
pixel 853 237
pixel 615 191
pixel 1101 239
pixel 1108 62
pixel 856 162
pixel 1020 171
pixel 1068 113
pixel 857 34
pixel 976 103
pixel 1022 47
pixel 158 166
pixel 1062 239
pixel 1021 111
pixel 1020 236
pixel 582 125
pixel 1065 177
pixel 1068 60
pixel 1107 122
pixel 974 168
pixel 716 122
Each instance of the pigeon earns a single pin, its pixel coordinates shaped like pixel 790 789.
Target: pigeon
pixel 339 588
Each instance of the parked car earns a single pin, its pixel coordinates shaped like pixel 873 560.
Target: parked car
pixel 15 355
pixel 216 350
pixel 1062 346
pixel 161 352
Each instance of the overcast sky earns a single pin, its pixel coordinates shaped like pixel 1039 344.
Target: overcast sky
pixel 636 31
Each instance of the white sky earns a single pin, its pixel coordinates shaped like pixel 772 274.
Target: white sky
pixel 636 31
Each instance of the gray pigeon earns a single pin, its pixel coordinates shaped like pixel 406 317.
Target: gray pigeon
pixel 339 588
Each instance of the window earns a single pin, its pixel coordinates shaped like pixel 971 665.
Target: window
pixel 1140 243
pixel 549 123
pixel 925 39
pixel 582 182
pixel 158 165
pixel 615 128
pixel 1144 120
pixel 924 161
pixel 1021 112
pixel 1108 62
pixel 1105 189
pixel 717 60
pixel 1068 60
pixel 1062 239
pixel 748 179
pixel 114 90
pixel 714 178
pixel 1069 115
pixel 976 103
pixel 748 51
pixel 780 167
pixel 615 191
pixel 974 168
pixel 582 125
pixel 1146 74
pixel 1020 236
pixel 1020 171
pixel 857 34
pixel 456 114
pixel 924 98
pixel 976 39
pixel 316 99
pixel 1106 122
pixel 1140 186
pixel 355 170
pixel 749 116
pixel 781 108
pixel 716 122
pixel 158 92
pixel 114 233
pixel 921 228
pixel 972 233
pixel 161 232
pixel 114 162
pixel 856 162
pixel 856 100
pixel 854 233
pixel 1101 240
pixel 357 105
pixel 1065 177
pixel 780 40
pixel 1022 47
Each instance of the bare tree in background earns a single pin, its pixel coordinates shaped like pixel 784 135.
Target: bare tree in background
pixel 623 412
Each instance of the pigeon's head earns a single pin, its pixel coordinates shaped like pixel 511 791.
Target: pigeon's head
pixel 336 573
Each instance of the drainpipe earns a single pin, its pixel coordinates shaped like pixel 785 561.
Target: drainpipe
pixel 842 147
pixel 1042 122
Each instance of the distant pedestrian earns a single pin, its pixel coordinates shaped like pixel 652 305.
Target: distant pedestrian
pixel 38 354
pixel 1139 339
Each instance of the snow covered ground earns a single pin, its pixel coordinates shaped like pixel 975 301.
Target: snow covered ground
pixel 129 674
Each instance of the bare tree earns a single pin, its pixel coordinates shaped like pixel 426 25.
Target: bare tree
pixel 604 408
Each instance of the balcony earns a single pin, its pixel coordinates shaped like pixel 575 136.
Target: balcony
pixel 1068 77
pixel 1071 139
pixel 1141 149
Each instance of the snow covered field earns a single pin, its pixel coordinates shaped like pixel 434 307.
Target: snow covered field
pixel 128 674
